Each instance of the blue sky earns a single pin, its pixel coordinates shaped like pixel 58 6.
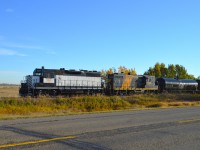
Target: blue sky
pixel 97 34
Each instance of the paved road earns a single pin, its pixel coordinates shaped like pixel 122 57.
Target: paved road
pixel 147 129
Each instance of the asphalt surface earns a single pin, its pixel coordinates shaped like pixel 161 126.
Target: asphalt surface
pixel 146 129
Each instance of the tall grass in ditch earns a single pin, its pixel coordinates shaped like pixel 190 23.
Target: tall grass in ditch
pixel 28 105
pixel 163 100
pixel 60 104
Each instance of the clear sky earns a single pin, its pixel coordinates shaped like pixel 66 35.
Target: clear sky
pixel 97 34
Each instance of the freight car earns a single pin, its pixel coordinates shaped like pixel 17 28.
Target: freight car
pixel 61 82
pixel 177 85
pixel 122 84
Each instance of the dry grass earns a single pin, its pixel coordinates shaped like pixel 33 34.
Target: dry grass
pixel 24 106
pixel 9 91
pixel 44 106
pixel 164 100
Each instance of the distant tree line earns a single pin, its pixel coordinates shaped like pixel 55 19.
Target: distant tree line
pixel 158 70
pixel 171 71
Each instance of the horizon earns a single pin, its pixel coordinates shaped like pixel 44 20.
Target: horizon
pixel 96 35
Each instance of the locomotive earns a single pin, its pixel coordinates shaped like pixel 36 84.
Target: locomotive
pixel 122 84
pixel 55 82
pixel 61 82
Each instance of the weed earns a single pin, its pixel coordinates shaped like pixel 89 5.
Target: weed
pixel 54 105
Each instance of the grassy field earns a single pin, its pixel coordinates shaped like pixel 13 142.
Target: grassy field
pixel 9 91
pixel 13 106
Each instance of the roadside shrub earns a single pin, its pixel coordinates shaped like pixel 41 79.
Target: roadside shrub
pixel 153 105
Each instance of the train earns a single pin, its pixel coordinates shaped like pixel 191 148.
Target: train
pixel 55 82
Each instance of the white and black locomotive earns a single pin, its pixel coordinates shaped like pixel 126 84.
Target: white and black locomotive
pixel 61 82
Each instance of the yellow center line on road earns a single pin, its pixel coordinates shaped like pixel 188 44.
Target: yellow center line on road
pixel 37 141
pixel 189 120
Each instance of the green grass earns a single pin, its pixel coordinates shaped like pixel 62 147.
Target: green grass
pixel 44 106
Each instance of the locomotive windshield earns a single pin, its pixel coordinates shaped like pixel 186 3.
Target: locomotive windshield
pixel 37 72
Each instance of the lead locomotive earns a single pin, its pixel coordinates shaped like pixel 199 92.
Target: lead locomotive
pixel 61 82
